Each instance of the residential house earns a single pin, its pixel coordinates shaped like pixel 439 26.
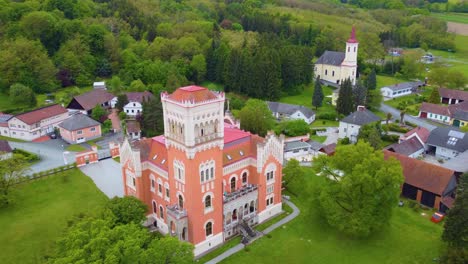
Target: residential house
pixel 451 96
pixel 133 129
pixel 447 142
pixel 36 123
pixel 454 114
pixel 427 183
pixel 289 111
pixel 298 150
pixel 333 67
pixel 5 150
pixel 400 89
pixel 420 133
pixel 459 114
pixel 4 129
pixel 85 103
pixel 99 85
pixel 350 125
pixel 204 181
pixel 329 149
pixel 135 102
pixel 412 147
pixel 79 128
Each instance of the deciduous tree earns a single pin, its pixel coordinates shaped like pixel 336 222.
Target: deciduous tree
pixel 361 188
pixel 98 113
pixel 20 94
pixel 371 133
pixel 12 170
pixel 293 176
pixel 256 117
pixel 127 210
pixel 122 100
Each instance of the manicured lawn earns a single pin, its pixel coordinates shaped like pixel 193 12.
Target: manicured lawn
pixel 324 123
pixel 409 238
pixel 452 17
pixel 384 80
pixel 305 99
pixel 40 213
pixel 76 148
pixel 320 139
pixel 11 139
pixel 229 244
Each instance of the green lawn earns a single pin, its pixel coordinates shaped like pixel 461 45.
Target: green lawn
pixel 384 80
pixel 409 238
pixel 320 139
pixel 11 139
pixel 452 17
pixel 324 123
pixel 40 213
pixel 76 148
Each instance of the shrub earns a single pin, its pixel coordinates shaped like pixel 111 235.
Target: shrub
pixel 391 138
pixel 344 141
pixel 410 124
pixel 30 157
pixel 327 116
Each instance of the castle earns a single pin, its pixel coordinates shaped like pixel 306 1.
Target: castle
pixel 334 67
pixel 204 180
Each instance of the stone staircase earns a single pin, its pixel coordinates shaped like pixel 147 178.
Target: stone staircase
pixel 247 232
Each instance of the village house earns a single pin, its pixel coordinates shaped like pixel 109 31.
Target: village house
pixel 133 129
pixel 427 183
pixel 289 111
pixel 453 114
pixel 447 143
pixel 420 133
pixel 4 129
pixel 400 89
pixel 204 180
pixel 452 96
pixel 85 103
pixel 5 150
pixel 134 106
pixel 333 67
pixel 99 85
pixel 350 125
pixel 36 123
pixel 412 148
pixel 79 128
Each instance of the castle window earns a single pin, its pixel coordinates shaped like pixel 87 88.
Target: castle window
pixel 270 175
pixel 208 202
pixel 167 192
pixel 160 188
pixel 333 73
pixel 233 184
pixel 354 49
pixel 209 229
pixel 181 202
pixel 202 178
pixel 152 185
pixel 244 177
pixel 154 207
pixel 161 212
pixel 326 72
pixel 349 49
pixel 201 132
pixel 212 173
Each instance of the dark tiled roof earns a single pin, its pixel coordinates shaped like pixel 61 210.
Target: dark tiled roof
pixel 78 121
pixel 448 137
pixel 361 117
pixel 435 109
pixel 5 146
pixel 5 117
pixel 289 109
pixel 39 114
pixel 406 85
pixel 133 126
pixel 331 58
pixel 454 94
pixel 459 111
pixel 329 149
pixel 406 147
pixel 315 145
pixel 95 97
pixel 139 96
pixel 423 175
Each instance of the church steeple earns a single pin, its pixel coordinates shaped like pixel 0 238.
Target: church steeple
pixel 351 49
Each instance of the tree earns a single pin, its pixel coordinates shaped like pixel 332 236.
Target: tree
pixel 293 176
pixel 12 170
pixel 127 209
pixel 439 76
pixel 292 128
pixel 198 67
pixel 20 94
pixel 455 227
pixel 373 99
pixel 371 133
pixel 388 118
pixel 106 126
pixel 152 121
pixel 317 97
pixel 434 98
pixel 402 116
pixel 360 94
pixel 256 117
pixel 122 100
pixel 98 113
pixel 372 80
pixel 115 84
pixel 457 79
pixel 360 190
pixel 345 103
pixel 267 74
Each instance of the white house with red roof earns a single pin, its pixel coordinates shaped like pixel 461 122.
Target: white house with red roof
pixel 204 180
pixel 36 123
pixel 334 67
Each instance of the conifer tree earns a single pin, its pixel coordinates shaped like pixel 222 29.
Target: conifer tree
pixel 455 228
pixel 267 74
pixel 434 98
pixel 317 97
pixel 233 71
pixel 345 102
pixel 360 94
pixel 372 80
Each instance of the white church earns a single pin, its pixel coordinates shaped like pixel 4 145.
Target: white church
pixel 333 67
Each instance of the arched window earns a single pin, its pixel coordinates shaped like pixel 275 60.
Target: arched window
pixel 209 229
pixel 212 173
pixel 244 177
pixel 181 202
pixel 201 132
pixel 202 177
pixel 208 201
pixel 326 72
pixel 233 184
pixel 155 208
pixel 161 212
pixel 354 49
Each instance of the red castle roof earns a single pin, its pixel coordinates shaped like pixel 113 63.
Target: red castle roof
pixel 192 93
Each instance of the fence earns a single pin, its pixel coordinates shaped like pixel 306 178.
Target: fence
pixel 46 173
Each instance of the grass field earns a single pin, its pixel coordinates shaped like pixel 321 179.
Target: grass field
pixel 76 148
pixel 324 123
pixel 452 17
pixel 40 212
pixel 384 80
pixel 320 139
pixel 11 139
pixel 305 99
pixel 409 238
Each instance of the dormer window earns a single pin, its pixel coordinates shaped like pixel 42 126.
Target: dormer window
pixel 155 156
pixel 229 157
pixel 241 152
pixel 163 161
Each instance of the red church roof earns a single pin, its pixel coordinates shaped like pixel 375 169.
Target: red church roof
pixel 352 38
pixel 193 94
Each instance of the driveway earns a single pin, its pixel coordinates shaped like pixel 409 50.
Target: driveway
pixel 51 152
pixel 332 135
pixel 107 175
pixel 415 120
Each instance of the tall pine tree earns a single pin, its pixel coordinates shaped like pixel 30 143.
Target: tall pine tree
pixel 267 74
pixel 317 97
pixel 233 71
pixel 345 102
pixel 360 94
pixel 372 80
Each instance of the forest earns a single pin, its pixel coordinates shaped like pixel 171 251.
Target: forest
pixel 258 48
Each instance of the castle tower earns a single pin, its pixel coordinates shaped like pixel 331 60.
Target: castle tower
pixel 194 138
pixel 350 61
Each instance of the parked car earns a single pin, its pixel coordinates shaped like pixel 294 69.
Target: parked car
pixel 53 136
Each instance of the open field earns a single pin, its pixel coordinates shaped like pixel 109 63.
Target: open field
pixel 385 80
pixel 305 99
pixel 409 238
pixel 452 17
pixel 40 213
pixel 458 28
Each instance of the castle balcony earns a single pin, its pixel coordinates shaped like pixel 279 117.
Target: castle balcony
pixel 244 191
pixel 203 139
pixel 176 212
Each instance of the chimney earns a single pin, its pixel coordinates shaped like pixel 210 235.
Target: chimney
pixel 361 108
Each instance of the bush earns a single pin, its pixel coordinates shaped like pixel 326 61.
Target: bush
pixel 410 124
pixel 344 141
pixel 391 138
pixel 396 128
pixel 30 157
pixel 327 116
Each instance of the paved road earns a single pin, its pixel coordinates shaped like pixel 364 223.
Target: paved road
pixel 107 175
pixel 51 153
pixel 240 246
pixel 415 120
